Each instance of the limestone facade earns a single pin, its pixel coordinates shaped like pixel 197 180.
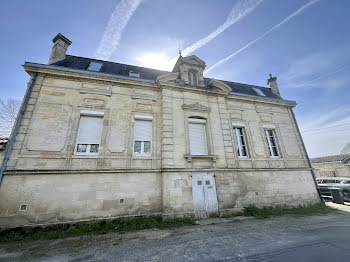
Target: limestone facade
pixel 56 185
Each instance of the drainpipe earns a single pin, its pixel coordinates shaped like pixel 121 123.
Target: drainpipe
pixel 16 128
pixel 307 156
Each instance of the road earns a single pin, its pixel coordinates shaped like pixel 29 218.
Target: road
pixel 287 238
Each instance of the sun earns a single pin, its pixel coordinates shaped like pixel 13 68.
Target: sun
pixel 155 60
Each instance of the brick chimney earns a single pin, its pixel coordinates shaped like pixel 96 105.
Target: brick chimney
pixel 59 48
pixel 272 83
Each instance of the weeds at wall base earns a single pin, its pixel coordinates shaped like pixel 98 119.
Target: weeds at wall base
pixel 102 227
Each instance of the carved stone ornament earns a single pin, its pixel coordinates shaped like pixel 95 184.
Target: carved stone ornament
pixel 196 107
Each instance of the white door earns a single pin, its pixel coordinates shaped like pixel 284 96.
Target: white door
pixel 205 201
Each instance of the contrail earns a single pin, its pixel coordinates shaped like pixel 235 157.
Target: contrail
pixel 238 11
pixel 115 27
pixel 298 12
pixel 324 76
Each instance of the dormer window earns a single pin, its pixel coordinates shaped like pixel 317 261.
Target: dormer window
pixel 134 74
pixel 192 77
pixel 95 66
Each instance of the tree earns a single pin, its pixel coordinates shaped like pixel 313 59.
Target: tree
pixel 8 112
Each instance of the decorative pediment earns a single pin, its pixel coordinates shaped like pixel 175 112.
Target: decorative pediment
pixel 196 107
pixel 221 85
pixel 190 61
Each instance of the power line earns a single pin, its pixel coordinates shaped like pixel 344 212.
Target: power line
pixel 324 128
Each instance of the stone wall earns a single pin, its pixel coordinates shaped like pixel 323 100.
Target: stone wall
pixel 54 198
pixel 56 185
pixel 70 197
pixel 331 169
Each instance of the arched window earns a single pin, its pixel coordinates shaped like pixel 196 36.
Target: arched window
pixel 192 77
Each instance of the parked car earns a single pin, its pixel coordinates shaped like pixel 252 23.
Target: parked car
pixel 324 183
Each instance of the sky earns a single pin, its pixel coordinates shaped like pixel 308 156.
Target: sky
pixel 305 43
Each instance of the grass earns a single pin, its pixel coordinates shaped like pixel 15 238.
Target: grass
pixel 140 223
pixel 267 212
pixel 102 227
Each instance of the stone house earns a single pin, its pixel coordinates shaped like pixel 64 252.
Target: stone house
pixel 97 139
pixel 332 166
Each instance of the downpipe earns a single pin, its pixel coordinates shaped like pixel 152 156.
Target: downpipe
pixel 17 126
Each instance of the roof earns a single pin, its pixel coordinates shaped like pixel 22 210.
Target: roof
pixel 344 158
pixel 112 68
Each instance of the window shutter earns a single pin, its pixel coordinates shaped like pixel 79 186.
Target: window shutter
pixel 143 130
pixel 90 130
pixel 198 141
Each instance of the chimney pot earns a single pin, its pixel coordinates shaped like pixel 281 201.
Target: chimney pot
pixel 59 49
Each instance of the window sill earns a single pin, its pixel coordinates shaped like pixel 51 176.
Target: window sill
pixel 190 157
pixel 143 157
pixel 85 156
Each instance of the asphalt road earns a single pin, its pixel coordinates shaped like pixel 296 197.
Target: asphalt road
pixel 287 238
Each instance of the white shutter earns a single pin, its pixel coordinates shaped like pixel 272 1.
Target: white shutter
pixel 143 130
pixel 198 141
pixel 90 130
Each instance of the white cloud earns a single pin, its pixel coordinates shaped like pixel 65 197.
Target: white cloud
pixel 241 9
pixel 296 13
pixel 115 27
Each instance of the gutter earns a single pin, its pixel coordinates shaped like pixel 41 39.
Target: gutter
pixel 17 126
pixel 307 156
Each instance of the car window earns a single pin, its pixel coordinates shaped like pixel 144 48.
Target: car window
pixel 328 181
pixel 345 182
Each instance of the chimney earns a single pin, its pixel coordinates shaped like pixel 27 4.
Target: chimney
pixel 59 48
pixel 272 83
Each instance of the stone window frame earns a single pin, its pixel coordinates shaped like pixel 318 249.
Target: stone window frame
pixel 276 138
pixel 191 74
pixel 148 117
pixel 245 137
pixel 88 113
pixel 204 114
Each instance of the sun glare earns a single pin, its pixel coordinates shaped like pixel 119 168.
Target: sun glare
pixel 155 61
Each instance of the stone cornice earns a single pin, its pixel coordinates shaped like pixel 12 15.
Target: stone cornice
pixel 83 74
pixel 119 171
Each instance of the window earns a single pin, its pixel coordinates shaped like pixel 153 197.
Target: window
pixel 89 134
pixel 271 142
pixel 240 141
pixel 258 91
pixel 143 136
pixel 192 77
pixel 134 74
pixel 197 135
pixel 95 66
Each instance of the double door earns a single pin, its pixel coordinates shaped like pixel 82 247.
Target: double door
pixel 205 200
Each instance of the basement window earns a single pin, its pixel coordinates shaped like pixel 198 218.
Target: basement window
pixel 95 66
pixel 258 91
pixel 134 74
